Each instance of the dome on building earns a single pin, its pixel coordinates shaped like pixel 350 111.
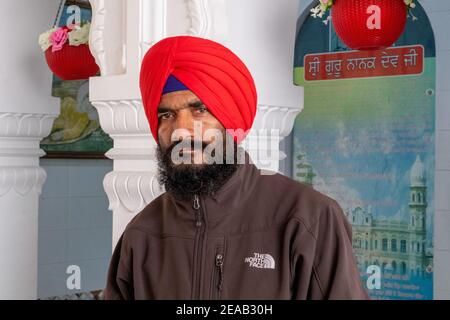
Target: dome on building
pixel 418 175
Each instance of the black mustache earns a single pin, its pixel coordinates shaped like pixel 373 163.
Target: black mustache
pixel 188 144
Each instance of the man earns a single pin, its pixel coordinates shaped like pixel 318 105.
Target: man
pixel 223 230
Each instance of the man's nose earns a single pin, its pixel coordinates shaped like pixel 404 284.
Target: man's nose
pixel 184 126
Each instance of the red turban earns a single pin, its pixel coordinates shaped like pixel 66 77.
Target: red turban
pixel 212 72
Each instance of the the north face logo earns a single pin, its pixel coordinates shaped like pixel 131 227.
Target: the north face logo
pixel 261 260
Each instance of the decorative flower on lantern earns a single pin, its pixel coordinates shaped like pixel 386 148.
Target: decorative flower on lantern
pixel 57 37
pixel 67 51
pixel 321 9
pixel 366 24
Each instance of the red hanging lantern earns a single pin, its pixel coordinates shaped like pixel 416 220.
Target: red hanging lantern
pixel 67 49
pixel 369 24
pixel 72 62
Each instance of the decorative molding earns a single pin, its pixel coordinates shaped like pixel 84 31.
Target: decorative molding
pixel 153 24
pixel 25 125
pixel 275 118
pixel 96 35
pixel 131 191
pixel 271 125
pixel 200 15
pixel 21 179
pixel 125 121
pixel 208 19
pixel 20 134
pixel 106 38
pixel 21 152
pixel 122 117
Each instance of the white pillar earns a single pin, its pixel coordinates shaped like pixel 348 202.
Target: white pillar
pixel 115 94
pixel 120 36
pixel 26 115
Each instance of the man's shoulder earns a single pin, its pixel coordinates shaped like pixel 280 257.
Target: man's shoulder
pixel 290 188
pixel 306 204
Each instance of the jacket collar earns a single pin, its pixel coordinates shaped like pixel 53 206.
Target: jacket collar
pixel 235 182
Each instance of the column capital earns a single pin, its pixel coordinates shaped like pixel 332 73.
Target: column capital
pixel 20 134
pixel 271 125
pixel 277 118
pixel 131 191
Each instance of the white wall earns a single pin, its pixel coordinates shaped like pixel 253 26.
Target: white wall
pixel 269 26
pixel 25 80
pixel 75 225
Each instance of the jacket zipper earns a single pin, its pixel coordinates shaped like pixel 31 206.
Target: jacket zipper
pixel 218 276
pixel 198 246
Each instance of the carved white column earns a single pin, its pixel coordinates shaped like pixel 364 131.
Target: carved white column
pixel 115 94
pixel 272 124
pixel 21 181
pixel 137 25
pixel 132 184
pixel 27 112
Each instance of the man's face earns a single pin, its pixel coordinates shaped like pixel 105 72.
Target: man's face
pixel 179 113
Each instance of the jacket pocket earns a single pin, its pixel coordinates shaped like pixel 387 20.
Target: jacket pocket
pixel 217 281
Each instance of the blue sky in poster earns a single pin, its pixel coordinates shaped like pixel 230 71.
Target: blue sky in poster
pixel 365 142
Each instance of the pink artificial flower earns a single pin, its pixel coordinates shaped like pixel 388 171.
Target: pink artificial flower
pixel 324 2
pixel 58 39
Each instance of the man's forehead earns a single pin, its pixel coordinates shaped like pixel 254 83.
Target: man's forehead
pixel 178 99
pixel 178 93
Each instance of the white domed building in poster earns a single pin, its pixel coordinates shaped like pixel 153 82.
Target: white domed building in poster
pixel 397 246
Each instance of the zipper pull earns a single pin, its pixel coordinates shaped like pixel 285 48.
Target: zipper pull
pixel 196 206
pixel 219 264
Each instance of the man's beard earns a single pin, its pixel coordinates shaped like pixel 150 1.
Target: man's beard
pixel 185 180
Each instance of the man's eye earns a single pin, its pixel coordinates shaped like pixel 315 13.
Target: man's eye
pixel 165 116
pixel 202 109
